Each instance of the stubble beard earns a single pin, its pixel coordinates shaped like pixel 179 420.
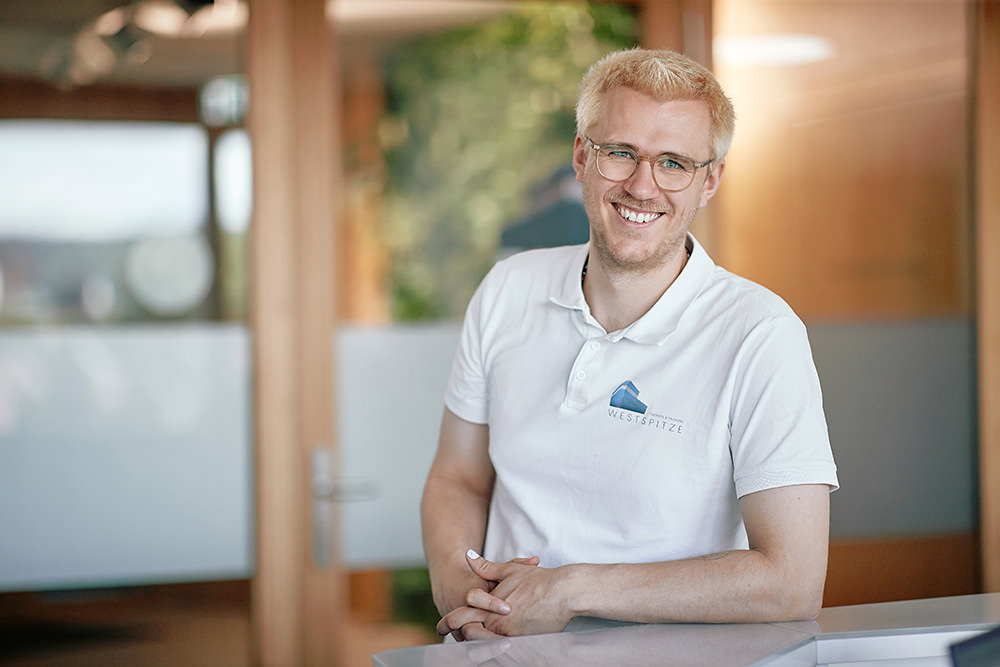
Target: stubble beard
pixel 619 262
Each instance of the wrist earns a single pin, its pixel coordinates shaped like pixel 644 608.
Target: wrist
pixel 575 590
pixel 450 588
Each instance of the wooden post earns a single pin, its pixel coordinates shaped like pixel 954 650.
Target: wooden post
pixel 987 151
pixel 684 26
pixel 681 25
pixel 292 121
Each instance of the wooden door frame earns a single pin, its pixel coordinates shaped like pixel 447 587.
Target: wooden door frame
pixel 297 605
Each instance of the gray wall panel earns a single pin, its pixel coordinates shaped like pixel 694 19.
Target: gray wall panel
pixel 900 404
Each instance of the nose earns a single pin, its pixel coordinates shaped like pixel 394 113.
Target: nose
pixel 641 183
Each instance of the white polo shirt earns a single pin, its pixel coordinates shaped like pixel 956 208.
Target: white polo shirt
pixel 634 445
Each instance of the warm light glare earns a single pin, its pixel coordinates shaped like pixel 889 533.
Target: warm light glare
pixel 110 22
pixel 161 17
pixel 770 50
pixel 386 12
pixel 222 16
pixel 94 57
pixel 168 19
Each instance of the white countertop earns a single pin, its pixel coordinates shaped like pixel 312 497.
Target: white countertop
pixel 895 633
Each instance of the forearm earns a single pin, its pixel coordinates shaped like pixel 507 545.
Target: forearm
pixel 780 577
pixel 735 586
pixel 453 517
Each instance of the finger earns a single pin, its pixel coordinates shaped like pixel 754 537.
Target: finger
pixel 480 599
pixel 473 631
pixel 458 617
pixel 484 568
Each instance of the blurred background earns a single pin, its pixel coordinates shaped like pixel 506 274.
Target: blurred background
pixel 229 294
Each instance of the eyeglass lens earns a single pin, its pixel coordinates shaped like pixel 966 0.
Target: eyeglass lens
pixel 617 164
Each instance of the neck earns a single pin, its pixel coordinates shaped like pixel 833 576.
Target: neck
pixel 618 298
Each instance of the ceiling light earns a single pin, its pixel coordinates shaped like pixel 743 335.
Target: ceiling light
pixel 161 17
pixel 110 22
pixel 223 16
pixel 94 53
pixel 395 13
pixel 771 50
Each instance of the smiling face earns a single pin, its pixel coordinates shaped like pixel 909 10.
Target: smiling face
pixel 635 227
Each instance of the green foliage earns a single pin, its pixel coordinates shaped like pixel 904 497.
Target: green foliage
pixel 475 117
pixel 412 601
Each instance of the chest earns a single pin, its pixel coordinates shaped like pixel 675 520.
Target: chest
pixel 565 405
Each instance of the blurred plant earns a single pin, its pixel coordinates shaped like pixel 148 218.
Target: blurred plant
pixel 475 117
pixel 412 601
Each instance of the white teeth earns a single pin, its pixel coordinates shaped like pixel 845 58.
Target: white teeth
pixel 635 216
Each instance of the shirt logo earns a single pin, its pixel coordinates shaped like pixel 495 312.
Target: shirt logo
pixel 626 397
pixel 627 408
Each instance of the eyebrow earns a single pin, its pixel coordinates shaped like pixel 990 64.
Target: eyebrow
pixel 634 149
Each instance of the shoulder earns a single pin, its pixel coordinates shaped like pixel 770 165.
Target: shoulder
pixel 539 261
pixel 540 270
pixel 745 299
pixel 746 313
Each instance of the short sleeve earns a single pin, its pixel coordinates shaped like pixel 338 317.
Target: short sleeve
pixel 779 435
pixel 467 393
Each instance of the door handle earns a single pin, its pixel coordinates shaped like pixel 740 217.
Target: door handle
pixel 327 490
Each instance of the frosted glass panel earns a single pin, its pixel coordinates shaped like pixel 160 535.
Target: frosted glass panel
pixel 390 384
pixel 124 456
pixel 899 401
pixel 126 452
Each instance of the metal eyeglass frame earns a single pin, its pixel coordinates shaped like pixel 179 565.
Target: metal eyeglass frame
pixel 680 159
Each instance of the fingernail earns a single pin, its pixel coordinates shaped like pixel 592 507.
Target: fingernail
pixel 472 554
pixel 504 608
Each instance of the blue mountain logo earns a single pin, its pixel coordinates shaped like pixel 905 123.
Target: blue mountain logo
pixel 626 397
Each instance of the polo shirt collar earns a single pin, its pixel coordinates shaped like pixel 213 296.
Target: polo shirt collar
pixel 569 292
pixel 663 318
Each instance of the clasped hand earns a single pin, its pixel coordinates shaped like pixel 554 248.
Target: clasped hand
pixel 522 599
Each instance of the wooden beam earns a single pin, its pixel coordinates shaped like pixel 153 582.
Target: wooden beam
pixel 292 119
pixel 987 151
pixel 681 25
pixel 28 98
pixel 684 26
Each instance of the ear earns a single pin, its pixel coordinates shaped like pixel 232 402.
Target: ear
pixel 580 150
pixel 712 182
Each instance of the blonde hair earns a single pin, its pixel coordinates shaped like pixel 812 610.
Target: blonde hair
pixel 664 76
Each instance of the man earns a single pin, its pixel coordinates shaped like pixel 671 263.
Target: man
pixel 630 432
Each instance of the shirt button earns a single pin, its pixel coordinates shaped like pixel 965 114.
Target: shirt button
pixel 595 345
pixel 580 375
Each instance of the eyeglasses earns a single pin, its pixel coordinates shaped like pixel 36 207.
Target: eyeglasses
pixel 671 172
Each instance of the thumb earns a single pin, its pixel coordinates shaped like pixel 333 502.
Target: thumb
pixel 531 560
pixel 483 568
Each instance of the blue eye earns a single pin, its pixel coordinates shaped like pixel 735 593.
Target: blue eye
pixel 671 164
pixel 620 154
